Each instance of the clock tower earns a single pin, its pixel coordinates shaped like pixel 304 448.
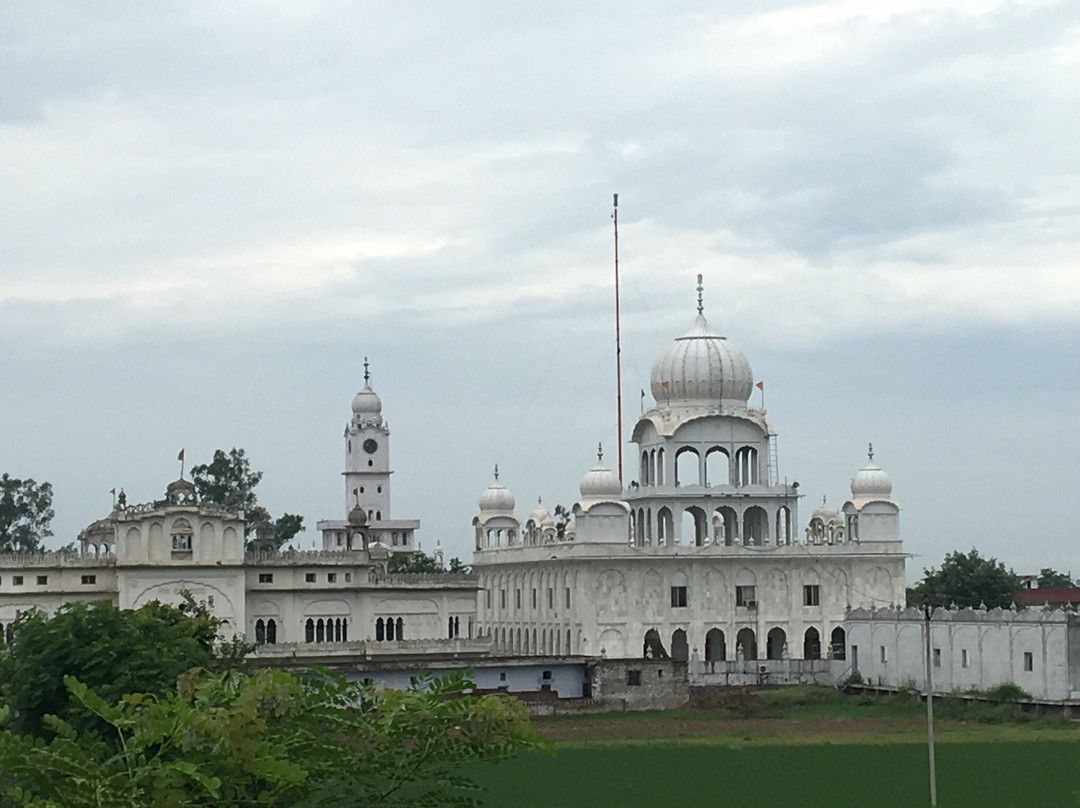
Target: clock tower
pixel 367 484
pixel 367 456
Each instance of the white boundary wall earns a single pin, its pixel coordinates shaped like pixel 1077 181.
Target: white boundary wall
pixel 1037 649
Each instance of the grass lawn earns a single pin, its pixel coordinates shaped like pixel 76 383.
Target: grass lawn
pixel 970 775
pixel 797 747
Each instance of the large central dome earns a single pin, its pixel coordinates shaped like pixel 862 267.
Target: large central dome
pixel 701 367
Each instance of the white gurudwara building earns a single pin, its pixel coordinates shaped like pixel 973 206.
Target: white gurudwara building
pixel 701 556
pixel 323 604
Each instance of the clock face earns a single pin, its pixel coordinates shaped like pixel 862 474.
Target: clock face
pixel 370 446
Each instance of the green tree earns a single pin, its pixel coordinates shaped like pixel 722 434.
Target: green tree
pixel 1051 577
pixel 562 519
pixel 416 562
pixel 270 739
pixel 457 565
pixel 114 651
pixel 229 481
pixel 25 514
pixel 966 579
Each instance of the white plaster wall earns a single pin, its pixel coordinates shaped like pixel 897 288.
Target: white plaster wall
pixel 995 642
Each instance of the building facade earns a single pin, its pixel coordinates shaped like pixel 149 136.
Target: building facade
pixel 291 603
pixel 700 557
pixel 971 649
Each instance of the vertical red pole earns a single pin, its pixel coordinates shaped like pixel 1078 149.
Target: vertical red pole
pixel 618 337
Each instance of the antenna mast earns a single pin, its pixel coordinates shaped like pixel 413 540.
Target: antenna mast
pixel 618 336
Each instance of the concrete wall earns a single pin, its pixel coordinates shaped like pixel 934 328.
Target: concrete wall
pixel 564 679
pixel 972 648
pixel 640 684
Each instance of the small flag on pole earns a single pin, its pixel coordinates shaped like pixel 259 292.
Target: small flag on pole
pixel 180 456
pixel 760 386
pixel 665 385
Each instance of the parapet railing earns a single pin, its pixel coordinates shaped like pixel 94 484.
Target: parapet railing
pixel 57 558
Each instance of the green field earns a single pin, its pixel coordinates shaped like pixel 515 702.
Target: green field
pixel 797 747
pixel 970 775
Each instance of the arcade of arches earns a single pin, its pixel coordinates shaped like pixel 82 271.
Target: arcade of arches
pixel 746 645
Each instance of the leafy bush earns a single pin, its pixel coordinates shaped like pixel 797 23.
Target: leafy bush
pixel 1006 691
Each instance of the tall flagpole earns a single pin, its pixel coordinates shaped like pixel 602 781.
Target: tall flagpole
pixel 618 335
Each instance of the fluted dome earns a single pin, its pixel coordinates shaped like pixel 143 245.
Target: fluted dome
pixel 600 482
pixel 366 403
pixel 497 498
pixel 825 514
pixel 540 514
pixel 701 367
pixel 870 482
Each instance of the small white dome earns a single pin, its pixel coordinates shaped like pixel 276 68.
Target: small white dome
pixel 825 514
pixel 540 514
pixel 600 482
pixel 366 402
pixel 701 367
pixel 497 498
pixel 871 482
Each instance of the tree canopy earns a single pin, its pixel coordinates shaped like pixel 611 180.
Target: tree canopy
pixel 229 481
pixel 416 562
pixel 1051 577
pixel 269 739
pixel 966 579
pixel 114 651
pixel 25 514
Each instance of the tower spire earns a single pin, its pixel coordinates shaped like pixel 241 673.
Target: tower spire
pixel 496 471
pixel 600 453
pixel 367 373
pixel 700 302
pixel 870 451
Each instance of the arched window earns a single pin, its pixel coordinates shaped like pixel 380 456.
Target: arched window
pixel 783 525
pixel 260 632
pixel 182 535
pixel 525 650
pixel 645 468
pixel 687 469
pixel 320 630
pixel 746 643
pixel 380 634
pixel 450 627
pixel 774 643
pixel 653 647
pixel 715 647
pixel 660 466
pixel 344 629
pixel 746 466
pixel 717 467
pixel 390 628
pixel 568 642
pixel 271 631
pixel 665 527
pixel 457 626
pixel 400 629
pixel 680 649
pixel 337 630
pixel 309 630
pixel 755 527
pixel 812 644
pixel 839 643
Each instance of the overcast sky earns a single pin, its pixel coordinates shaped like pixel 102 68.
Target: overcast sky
pixel 210 213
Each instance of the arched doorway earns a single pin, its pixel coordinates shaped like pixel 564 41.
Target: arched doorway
pixel 747 641
pixel 774 643
pixel 755 526
pixel 653 647
pixel 812 644
pixel 715 646
pixel 680 649
pixel 839 643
